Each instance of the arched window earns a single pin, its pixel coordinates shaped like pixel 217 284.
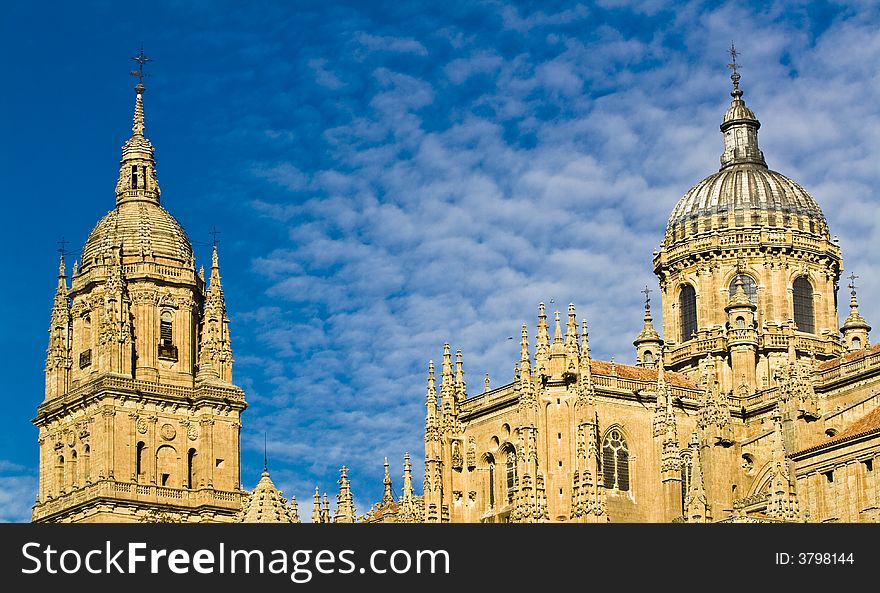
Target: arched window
pixel 167 349
pixel 86 466
pixel 749 287
pixel 190 468
pixel 649 357
pixel 615 461
pixel 72 473
pixel 740 323
pixel 166 466
pixel 687 304
pixel 490 461
pixel 511 473
pixel 59 473
pixel 804 317
pixel 856 344
pixel 139 461
pixel 687 466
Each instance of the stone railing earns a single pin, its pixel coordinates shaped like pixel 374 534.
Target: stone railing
pixel 845 369
pixel 137 493
pixel 148 387
pixel 739 238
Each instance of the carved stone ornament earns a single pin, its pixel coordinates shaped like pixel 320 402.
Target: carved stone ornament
pixel 192 431
pixel 71 438
pixel 168 432
pixel 141 426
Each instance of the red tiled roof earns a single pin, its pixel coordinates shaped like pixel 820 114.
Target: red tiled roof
pixel 849 356
pixel 867 424
pixel 628 371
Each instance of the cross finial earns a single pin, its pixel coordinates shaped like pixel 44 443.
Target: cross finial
pixel 214 232
pixel 63 249
pixel 733 66
pixel 141 59
pixel 647 293
pixel 852 282
pixel 265 452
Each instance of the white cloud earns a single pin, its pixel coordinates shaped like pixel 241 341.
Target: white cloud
pixel 406 45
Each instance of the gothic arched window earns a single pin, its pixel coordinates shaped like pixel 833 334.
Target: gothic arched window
pixel 687 304
pixel 615 461
pixel 804 316
pixel 511 473
pixel 649 357
pixel 749 286
pixel 490 461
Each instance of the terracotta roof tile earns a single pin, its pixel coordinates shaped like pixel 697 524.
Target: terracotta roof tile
pixel 849 356
pixel 867 424
pixel 628 371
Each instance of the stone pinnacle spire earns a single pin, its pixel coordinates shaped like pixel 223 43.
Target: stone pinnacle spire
pixel 137 170
pixel 460 385
pixel 316 508
pixel 740 126
pixel 855 329
pixel 388 495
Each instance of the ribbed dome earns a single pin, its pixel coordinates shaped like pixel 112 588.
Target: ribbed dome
pixel 143 229
pixel 750 189
pixel 744 187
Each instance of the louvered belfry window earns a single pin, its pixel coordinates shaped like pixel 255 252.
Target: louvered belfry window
pixel 615 461
pixel 687 303
pixel 804 316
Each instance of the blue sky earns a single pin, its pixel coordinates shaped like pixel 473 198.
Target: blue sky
pixel 387 176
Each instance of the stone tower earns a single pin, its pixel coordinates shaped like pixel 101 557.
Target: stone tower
pixel 140 414
pixel 747 268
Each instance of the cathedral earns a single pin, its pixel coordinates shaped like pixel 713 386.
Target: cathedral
pixel 754 405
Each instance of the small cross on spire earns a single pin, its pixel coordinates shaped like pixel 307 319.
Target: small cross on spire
pixel 852 283
pixel 265 452
pixel 733 66
pixel 63 249
pixel 647 293
pixel 214 232
pixel 141 59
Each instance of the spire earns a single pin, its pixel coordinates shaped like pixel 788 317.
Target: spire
pixel 648 342
pixel 325 512
pixel 388 495
pixel 542 343
pixel 486 387
pixel 783 502
pixel 316 508
pixel 215 350
pixel 344 505
pixel 572 355
pixel 431 397
pixel 696 503
pixel 460 386
pixel 58 355
pixel 266 504
pixel 855 329
pixel 557 331
pixel 294 510
pixel 407 509
pixel 137 171
pixel 740 126
pixel 524 356
pixel 585 385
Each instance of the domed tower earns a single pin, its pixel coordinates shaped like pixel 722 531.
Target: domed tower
pixel 140 414
pixel 747 233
